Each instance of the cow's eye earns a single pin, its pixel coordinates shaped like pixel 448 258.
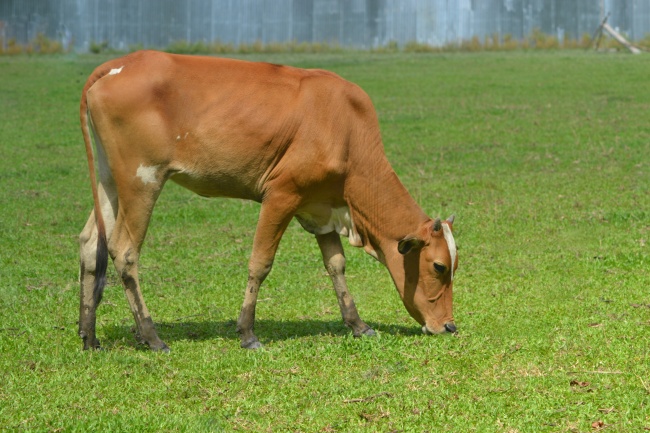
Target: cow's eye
pixel 439 267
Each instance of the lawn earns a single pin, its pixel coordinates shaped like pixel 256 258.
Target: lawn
pixel 544 158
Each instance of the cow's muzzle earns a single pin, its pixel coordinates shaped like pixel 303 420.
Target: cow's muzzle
pixel 449 327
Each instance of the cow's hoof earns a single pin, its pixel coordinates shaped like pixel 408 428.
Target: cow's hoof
pixel 163 349
pixel 159 346
pixel 96 348
pixel 368 332
pixel 251 344
pixel 91 344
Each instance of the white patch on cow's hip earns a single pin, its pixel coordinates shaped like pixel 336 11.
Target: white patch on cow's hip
pixel 340 221
pixel 147 174
pixel 116 71
pixel 451 244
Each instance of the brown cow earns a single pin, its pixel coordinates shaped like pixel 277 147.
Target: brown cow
pixel 303 143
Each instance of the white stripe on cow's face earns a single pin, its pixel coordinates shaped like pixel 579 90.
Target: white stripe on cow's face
pixel 451 244
pixel 116 71
pixel 147 174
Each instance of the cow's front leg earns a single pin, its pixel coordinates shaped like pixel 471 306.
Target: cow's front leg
pixel 334 260
pixel 246 321
pixel 275 215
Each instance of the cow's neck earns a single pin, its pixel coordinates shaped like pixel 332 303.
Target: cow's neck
pixel 382 209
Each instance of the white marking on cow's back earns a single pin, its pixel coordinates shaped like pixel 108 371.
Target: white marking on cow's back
pixel 451 244
pixel 116 71
pixel 147 174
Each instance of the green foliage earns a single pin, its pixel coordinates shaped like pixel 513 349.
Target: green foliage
pixel 645 42
pixel 41 44
pixel 390 47
pixel 537 40
pixel 542 156
pixel 98 47
pixel 542 41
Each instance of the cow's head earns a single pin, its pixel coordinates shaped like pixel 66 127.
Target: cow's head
pixel 430 261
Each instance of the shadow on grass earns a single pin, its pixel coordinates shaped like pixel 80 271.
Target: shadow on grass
pixel 266 330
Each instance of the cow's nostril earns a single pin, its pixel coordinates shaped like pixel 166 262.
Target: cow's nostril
pixel 450 327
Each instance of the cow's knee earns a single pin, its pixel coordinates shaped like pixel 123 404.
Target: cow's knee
pixel 88 249
pixel 336 265
pixel 258 270
pixel 85 236
pixel 124 259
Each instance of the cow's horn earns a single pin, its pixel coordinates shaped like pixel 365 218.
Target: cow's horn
pixel 450 220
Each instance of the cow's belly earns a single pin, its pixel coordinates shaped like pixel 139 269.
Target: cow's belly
pixel 322 219
pixel 216 186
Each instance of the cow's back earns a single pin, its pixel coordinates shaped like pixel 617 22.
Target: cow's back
pixel 225 127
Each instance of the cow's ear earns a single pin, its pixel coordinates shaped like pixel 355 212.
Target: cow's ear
pixel 409 243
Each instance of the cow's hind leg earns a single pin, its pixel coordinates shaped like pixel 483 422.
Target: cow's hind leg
pixel 88 299
pixel 136 202
pixel 334 260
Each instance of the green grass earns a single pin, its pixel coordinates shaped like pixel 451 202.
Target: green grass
pixel 544 159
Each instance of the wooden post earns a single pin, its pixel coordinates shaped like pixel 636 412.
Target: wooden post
pixel 598 34
pixel 616 35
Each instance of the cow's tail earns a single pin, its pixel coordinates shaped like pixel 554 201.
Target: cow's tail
pixel 102 244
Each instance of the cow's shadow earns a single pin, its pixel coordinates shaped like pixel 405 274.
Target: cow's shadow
pixel 266 330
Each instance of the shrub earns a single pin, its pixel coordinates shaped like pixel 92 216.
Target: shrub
pixel 41 44
pixel 98 47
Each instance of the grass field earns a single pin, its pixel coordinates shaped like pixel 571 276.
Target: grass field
pixel 545 160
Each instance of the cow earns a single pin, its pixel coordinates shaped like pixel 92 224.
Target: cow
pixel 304 143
